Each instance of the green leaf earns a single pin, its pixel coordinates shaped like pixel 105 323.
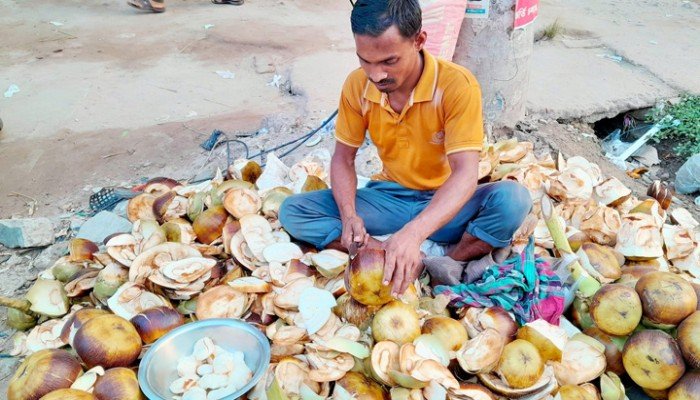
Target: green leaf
pixel 686 132
pixel 275 392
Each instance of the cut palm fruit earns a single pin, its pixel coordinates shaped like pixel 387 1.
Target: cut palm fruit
pixel 282 252
pixel 588 285
pixel 330 263
pixel 315 307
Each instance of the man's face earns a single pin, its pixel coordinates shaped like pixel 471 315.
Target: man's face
pixel 389 59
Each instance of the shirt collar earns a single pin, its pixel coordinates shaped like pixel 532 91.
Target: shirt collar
pixel 424 90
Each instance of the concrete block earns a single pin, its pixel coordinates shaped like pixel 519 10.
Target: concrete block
pixel 26 232
pixel 103 224
pixel 49 255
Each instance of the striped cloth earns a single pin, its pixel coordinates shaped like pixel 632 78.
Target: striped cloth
pixel 523 284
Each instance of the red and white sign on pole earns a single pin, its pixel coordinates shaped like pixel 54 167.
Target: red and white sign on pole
pixel 525 12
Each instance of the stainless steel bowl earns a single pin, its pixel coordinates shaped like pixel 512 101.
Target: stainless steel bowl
pixel 158 368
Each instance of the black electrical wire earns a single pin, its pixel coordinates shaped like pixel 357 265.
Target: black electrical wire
pixel 310 134
pixel 296 142
pixel 229 161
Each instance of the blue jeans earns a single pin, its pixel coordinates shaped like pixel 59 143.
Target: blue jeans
pixel 493 214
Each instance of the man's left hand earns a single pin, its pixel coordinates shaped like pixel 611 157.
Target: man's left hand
pixel 403 262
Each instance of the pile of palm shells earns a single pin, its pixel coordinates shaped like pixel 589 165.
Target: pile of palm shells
pixel 217 250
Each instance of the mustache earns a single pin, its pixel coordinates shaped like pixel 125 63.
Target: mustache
pixel 384 82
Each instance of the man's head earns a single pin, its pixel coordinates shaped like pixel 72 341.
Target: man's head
pixel 388 38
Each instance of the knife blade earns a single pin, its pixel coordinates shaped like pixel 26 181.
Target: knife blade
pixel 352 250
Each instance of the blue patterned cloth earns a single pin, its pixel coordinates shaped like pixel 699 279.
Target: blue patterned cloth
pixel 523 284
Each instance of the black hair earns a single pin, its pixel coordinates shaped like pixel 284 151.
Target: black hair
pixel 374 17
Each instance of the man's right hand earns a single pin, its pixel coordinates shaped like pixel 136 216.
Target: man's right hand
pixel 354 231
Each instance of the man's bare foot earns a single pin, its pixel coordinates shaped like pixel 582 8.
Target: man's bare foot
pixel 475 269
pixel 468 248
pixel 448 271
pixel 444 270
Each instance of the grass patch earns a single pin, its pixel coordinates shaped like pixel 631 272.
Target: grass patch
pixel 553 30
pixel 681 124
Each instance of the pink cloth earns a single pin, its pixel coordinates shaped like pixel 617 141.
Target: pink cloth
pixel 550 309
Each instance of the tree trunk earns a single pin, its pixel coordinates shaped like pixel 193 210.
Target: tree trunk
pixel 499 57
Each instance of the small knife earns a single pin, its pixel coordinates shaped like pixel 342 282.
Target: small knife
pixel 352 250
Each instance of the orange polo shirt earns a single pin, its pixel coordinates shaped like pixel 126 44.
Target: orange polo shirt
pixel 441 117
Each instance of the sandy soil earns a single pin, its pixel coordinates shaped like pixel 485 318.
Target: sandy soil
pixel 613 56
pixel 112 95
pixel 109 95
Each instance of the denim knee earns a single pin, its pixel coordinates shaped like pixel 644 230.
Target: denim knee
pixel 286 214
pixel 501 212
pixel 515 200
pixel 311 217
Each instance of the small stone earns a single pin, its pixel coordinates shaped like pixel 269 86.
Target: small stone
pixel 17 275
pixel 688 176
pixel 120 208
pixel 75 224
pixel 50 254
pixel 15 261
pixel 103 224
pixel 263 66
pixel 26 232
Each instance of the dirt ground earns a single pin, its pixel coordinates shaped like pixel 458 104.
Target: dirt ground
pixel 612 56
pixel 110 96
